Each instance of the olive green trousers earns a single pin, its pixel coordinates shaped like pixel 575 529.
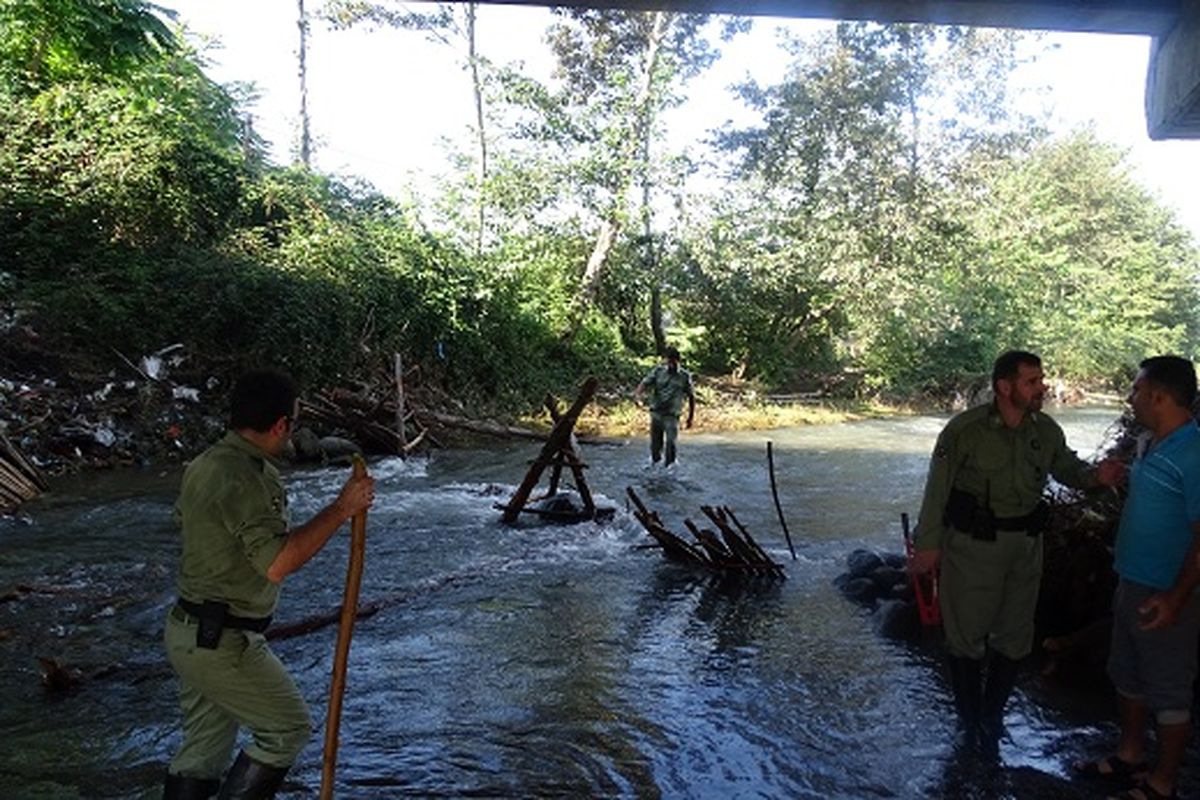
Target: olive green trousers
pixel 239 683
pixel 664 431
pixel 989 593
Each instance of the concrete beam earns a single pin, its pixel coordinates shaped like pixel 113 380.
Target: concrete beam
pixel 1146 17
pixel 1173 79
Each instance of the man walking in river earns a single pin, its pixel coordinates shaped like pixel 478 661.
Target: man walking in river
pixel 668 385
pixel 1156 610
pixel 237 548
pixel 980 521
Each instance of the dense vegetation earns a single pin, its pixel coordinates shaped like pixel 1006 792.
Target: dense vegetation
pixel 888 226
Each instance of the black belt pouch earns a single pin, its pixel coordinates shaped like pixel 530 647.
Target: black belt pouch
pixel 212 622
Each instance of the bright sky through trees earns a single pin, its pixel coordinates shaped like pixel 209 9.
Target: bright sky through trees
pixel 383 102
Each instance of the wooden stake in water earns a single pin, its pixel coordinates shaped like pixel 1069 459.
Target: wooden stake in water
pixel 778 508
pixel 358 547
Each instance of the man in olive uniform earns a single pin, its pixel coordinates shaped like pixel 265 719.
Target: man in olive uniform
pixel 980 520
pixel 237 548
pixel 668 386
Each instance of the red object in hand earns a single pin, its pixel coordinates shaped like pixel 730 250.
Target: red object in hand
pixel 925 587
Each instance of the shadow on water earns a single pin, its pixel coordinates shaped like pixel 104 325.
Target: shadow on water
pixel 544 661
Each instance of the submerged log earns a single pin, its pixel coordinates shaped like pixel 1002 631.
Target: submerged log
pixel 479 426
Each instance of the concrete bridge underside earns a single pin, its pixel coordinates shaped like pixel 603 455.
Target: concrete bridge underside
pixel 1172 76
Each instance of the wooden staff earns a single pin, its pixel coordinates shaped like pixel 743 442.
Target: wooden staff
pixel 358 547
pixel 778 508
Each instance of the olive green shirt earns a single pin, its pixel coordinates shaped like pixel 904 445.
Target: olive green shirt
pixel 1004 468
pixel 232 511
pixel 668 390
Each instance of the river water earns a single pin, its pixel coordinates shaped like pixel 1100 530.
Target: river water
pixel 542 661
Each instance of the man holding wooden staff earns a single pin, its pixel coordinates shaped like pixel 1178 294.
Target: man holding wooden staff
pixel 237 549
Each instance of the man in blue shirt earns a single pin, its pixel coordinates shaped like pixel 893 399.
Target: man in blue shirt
pixel 1156 610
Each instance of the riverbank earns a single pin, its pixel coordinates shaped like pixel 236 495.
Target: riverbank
pixel 723 412
pixel 70 416
pixel 159 409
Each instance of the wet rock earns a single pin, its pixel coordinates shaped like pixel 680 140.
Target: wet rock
pixel 861 590
pixel 307 445
pixel 559 503
pixel 862 562
pixel 57 677
pixel 886 578
pixel 334 447
pixel 879 582
pixel 896 619
pixel 903 592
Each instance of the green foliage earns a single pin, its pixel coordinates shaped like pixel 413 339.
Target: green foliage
pixel 45 42
pixel 137 214
pixel 1106 276
pixel 923 251
pixel 858 235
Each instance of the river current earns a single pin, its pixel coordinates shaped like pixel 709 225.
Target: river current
pixel 540 661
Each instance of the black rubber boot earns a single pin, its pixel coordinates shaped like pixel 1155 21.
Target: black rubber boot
pixel 250 780
pixel 1001 677
pixel 178 787
pixel 965 682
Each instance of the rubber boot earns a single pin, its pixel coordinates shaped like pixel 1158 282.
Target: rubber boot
pixel 251 780
pixel 1001 677
pixel 178 787
pixel 965 683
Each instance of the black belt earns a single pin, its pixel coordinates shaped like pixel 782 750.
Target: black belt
pixel 255 624
pixel 1033 522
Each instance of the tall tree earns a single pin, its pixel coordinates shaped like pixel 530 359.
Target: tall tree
pixel 450 24
pixel 845 181
pixel 302 58
pixel 620 70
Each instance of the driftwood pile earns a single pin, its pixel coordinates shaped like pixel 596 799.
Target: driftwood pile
pixel 733 551
pixel 379 417
pixel 20 480
pixel 387 417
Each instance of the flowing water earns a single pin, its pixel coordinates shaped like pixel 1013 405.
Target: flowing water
pixel 542 661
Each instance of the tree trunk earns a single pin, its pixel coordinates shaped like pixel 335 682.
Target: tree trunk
pixel 477 88
pixel 305 137
pixel 639 131
pixel 590 285
pixel 656 319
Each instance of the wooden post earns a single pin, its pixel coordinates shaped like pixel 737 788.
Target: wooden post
pixel 556 471
pixel 775 494
pixel 559 437
pixel 333 720
pixel 400 406
pixel 577 467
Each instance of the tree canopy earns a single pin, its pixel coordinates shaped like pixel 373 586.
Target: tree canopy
pixel 888 224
